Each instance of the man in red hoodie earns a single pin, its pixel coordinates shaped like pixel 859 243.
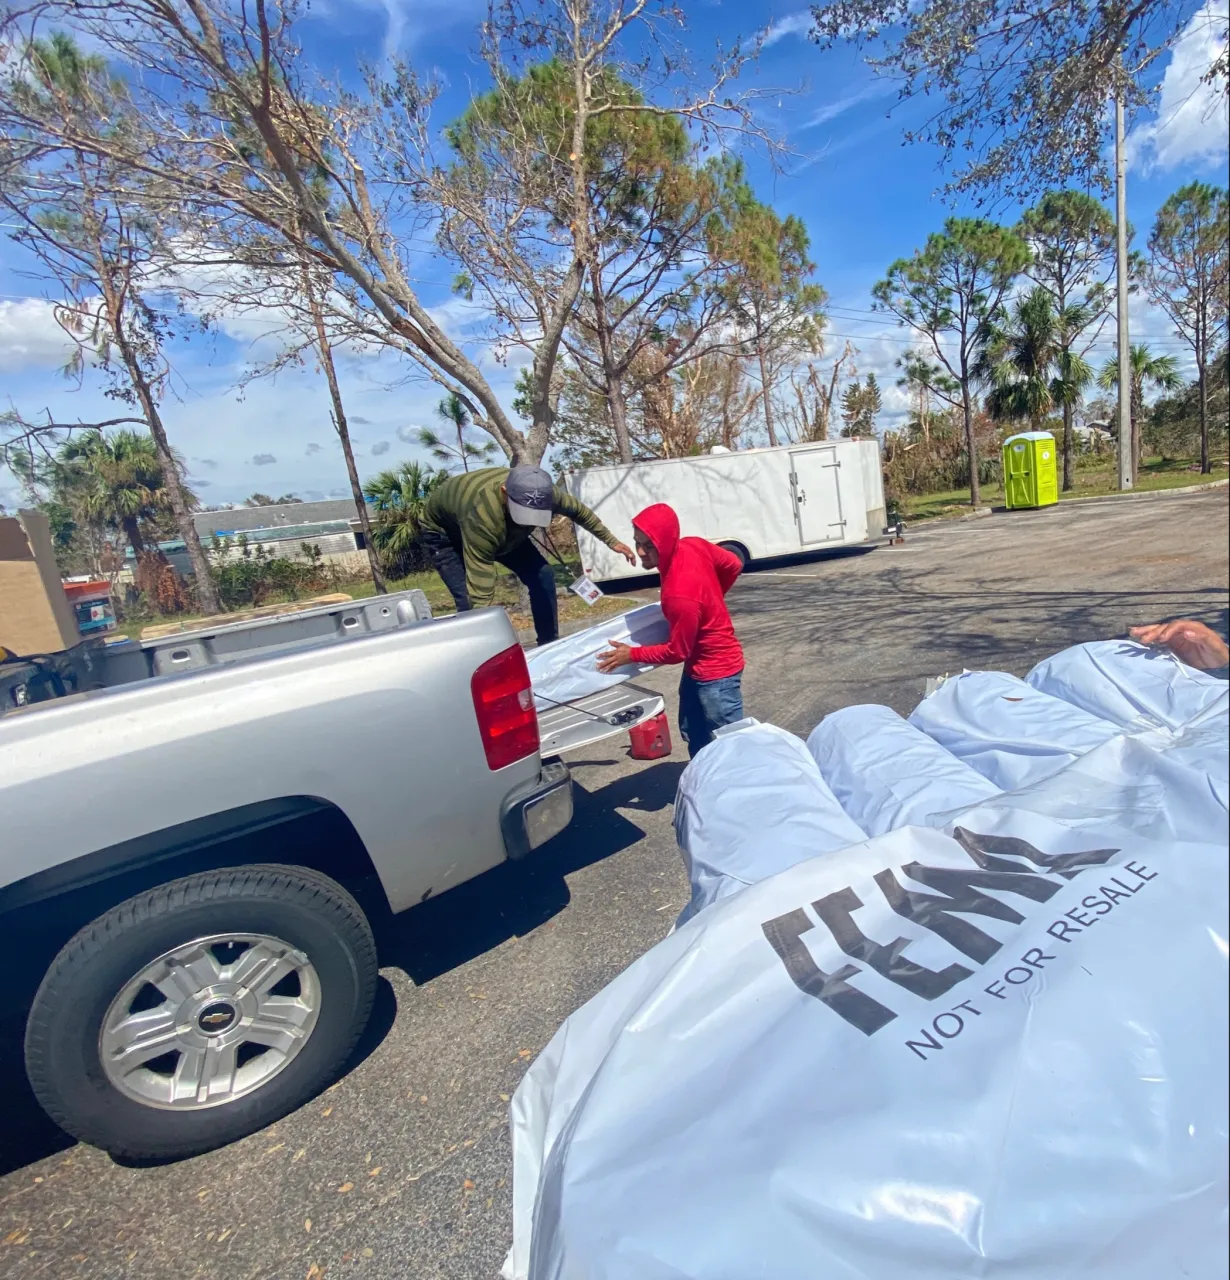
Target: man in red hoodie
pixel 696 575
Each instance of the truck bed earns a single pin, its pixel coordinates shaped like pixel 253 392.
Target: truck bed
pixel 122 663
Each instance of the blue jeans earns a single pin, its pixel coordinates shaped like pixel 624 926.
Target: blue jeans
pixel 705 705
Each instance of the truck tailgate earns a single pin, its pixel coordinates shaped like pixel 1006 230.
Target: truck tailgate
pixel 574 724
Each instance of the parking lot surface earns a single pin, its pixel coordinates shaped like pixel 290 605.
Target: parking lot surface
pixel 403 1169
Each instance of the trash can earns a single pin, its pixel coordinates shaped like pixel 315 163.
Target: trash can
pixel 1030 475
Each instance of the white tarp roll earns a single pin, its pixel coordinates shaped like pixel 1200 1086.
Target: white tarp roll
pixel 566 669
pixel 749 805
pixel 1129 684
pixel 1007 730
pixel 1143 773
pixel 1204 745
pixel 888 774
pixel 995 1051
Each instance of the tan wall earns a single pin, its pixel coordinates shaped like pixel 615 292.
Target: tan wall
pixel 35 614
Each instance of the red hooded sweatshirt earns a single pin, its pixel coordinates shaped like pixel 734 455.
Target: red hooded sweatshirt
pixel 696 575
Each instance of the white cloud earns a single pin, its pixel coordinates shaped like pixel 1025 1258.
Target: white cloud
pixel 876 88
pixel 30 337
pixel 236 300
pixel 794 24
pixel 406 22
pixel 1192 117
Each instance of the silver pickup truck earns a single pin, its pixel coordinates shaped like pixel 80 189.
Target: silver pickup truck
pixel 183 850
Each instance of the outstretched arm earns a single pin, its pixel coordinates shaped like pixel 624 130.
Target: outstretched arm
pixel 677 649
pixel 577 511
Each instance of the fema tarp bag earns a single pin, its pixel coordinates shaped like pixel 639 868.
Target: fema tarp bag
pixel 567 669
pixel 1007 730
pixel 888 774
pixel 1144 773
pixel 996 1050
pixel 1129 684
pixel 749 805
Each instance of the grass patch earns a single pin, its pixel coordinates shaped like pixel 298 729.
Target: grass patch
pixel 945 505
pixel 508 592
pixel 1094 477
pixel 1155 474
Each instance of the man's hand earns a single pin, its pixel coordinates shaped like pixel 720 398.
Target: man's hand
pixel 618 655
pixel 626 551
pixel 1190 642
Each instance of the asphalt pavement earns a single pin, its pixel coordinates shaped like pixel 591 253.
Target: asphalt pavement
pixel 402 1170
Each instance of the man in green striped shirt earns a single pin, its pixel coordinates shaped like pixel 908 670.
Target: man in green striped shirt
pixel 479 519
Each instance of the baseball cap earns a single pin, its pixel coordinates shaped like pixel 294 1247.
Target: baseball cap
pixel 530 494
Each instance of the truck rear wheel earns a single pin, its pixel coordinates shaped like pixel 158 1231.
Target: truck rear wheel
pixel 736 549
pixel 201 1011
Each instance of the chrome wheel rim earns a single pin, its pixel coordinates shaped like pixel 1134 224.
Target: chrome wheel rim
pixel 209 1021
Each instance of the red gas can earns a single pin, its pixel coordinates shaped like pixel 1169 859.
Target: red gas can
pixel 651 739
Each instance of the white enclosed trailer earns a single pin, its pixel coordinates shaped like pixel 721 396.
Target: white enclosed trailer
pixel 756 502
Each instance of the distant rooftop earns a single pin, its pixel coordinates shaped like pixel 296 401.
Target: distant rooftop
pixel 246 519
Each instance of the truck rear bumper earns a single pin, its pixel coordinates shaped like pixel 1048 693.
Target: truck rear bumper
pixel 534 813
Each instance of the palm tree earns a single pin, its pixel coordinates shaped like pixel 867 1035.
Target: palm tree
pixel 1030 373
pixel 454 412
pixel 1144 368
pixel 399 495
pixel 115 481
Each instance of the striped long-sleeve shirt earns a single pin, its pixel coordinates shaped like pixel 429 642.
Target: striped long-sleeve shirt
pixel 470 511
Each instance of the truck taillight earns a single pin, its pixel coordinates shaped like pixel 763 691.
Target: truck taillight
pixel 504 705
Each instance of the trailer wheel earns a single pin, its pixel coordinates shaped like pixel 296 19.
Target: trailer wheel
pixel 201 1011
pixel 736 549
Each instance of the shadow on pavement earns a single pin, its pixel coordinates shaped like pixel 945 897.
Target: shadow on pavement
pixel 800 558
pixel 516 897
pixel 901 614
pixel 649 581
pixel 30 1135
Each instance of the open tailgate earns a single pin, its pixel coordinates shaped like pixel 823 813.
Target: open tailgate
pixel 573 725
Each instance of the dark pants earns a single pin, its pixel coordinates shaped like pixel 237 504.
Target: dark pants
pixel 705 705
pixel 525 562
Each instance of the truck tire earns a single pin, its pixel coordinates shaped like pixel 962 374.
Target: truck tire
pixel 738 550
pixel 201 1011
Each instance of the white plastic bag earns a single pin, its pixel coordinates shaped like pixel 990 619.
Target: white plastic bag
pixel 1129 684
pixel 829 1074
pixel 1007 730
pixel 1203 746
pixel 996 1050
pixel 567 669
pixel 888 774
pixel 749 805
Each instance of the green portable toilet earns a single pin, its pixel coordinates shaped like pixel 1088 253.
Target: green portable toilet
pixel 1030 475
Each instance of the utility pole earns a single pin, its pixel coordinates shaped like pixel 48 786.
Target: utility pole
pixel 1126 450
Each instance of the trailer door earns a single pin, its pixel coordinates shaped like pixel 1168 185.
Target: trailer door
pixel 817 495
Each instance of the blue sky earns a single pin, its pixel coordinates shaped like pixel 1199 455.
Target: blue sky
pixel 865 198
